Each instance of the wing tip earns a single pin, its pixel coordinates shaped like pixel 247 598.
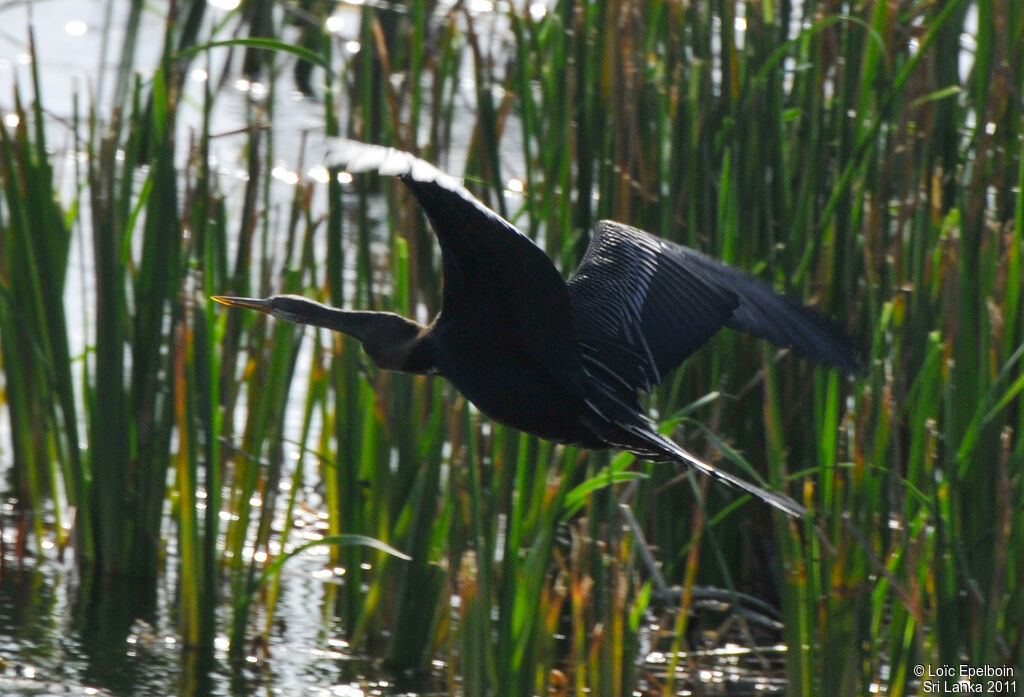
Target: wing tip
pixel 854 364
pixel 840 350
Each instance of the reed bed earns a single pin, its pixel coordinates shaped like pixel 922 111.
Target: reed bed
pixel 868 162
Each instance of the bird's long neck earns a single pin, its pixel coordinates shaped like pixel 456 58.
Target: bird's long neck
pixel 392 341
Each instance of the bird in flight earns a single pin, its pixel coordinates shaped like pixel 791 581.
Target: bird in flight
pixel 563 360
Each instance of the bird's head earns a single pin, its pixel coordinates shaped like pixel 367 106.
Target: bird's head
pixel 291 308
pixel 392 341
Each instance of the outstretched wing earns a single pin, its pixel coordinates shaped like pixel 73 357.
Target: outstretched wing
pixel 487 262
pixel 643 304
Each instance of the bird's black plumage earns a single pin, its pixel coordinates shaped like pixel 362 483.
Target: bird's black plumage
pixel 564 360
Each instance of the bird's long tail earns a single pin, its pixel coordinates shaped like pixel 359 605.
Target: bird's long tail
pixel 773 498
pixel 628 429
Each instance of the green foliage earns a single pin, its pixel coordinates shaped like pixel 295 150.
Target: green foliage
pixel 34 348
pixel 857 162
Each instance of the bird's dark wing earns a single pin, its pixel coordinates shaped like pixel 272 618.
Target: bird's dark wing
pixel 643 304
pixel 488 264
pixel 783 321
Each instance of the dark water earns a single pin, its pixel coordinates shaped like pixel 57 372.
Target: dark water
pixel 68 633
pixel 63 635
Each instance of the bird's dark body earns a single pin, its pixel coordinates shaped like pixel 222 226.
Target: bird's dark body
pixel 564 360
pixel 501 379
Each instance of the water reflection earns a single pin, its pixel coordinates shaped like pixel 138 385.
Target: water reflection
pixel 56 629
pixel 106 612
pixel 70 635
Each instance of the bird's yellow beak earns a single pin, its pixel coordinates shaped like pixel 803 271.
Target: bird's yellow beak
pixel 258 304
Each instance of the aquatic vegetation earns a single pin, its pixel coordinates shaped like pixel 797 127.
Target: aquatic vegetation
pixel 869 163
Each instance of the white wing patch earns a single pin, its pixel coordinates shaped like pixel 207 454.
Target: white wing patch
pixel 355 157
